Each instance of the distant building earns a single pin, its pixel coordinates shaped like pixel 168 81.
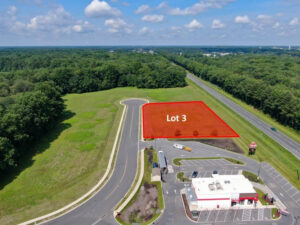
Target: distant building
pixel 220 191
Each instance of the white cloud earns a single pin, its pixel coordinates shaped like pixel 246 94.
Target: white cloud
pixel 197 8
pixel 12 10
pixel 266 19
pixel 77 28
pixel 176 28
pixel 56 21
pixel 217 24
pixel 294 21
pixel 242 19
pixel 276 25
pixel 101 9
pixel 143 9
pixel 145 30
pixel 117 25
pixel 153 18
pixel 194 24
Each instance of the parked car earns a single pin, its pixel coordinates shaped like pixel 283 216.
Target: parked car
pixel 215 172
pixel 155 165
pixel 188 149
pixel 178 146
pixel 195 174
pixel 284 212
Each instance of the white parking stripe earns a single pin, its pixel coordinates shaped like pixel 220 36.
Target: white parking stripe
pixel 295 193
pixel 208 216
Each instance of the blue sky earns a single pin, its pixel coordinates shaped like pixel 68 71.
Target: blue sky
pixel 156 22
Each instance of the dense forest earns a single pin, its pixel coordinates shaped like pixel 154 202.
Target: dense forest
pixel 33 81
pixel 270 82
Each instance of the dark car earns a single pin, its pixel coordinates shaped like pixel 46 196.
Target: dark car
pixel 215 172
pixel 195 174
pixel 273 129
pixel 155 165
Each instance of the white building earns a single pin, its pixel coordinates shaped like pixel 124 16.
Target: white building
pixel 220 191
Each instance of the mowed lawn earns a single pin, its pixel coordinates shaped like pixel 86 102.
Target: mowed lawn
pixel 69 165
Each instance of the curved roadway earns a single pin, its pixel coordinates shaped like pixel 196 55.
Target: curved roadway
pixel 99 208
pixel 285 141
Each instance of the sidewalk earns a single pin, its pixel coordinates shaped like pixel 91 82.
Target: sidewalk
pixel 266 190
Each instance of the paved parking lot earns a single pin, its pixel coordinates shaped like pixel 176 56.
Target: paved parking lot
pixel 205 162
pixel 234 215
pixel 287 187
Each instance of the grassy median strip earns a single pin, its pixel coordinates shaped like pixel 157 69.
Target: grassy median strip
pixel 180 176
pixel 252 177
pixel 261 195
pixel 177 161
pixel 132 211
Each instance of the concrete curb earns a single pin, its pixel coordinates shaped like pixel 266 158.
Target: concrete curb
pixel 90 193
pixel 121 207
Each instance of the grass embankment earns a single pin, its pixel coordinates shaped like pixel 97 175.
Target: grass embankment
pixel 265 117
pixel 74 156
pixel 261 195
pixel 252 177
pixel 146 179
pixel 177 161
pixel 180 176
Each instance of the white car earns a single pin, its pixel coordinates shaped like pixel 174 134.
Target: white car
pixel 178 146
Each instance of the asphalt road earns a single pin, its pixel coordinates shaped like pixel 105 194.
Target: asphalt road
pixel 99 209
pixel 279 137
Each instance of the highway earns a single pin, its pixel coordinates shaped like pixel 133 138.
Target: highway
pixel 285 141
pixel 99 209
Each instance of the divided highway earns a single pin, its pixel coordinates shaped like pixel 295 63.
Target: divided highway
pixel 288 143
pixel 99 209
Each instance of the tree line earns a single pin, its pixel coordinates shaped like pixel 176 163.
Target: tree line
pixel 33 81
pixel 269 82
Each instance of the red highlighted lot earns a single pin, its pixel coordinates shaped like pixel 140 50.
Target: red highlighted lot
pixel 183 120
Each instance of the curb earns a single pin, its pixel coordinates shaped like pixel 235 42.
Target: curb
pixel 92 191
pixel 123 205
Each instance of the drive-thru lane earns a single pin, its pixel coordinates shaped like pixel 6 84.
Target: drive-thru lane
pixel 96 209
pixel 277 136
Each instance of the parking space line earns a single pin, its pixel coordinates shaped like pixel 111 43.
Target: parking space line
pixel 208 215
pixel 293 193
pixel 226 215
pixel 289 189
pixel 217 216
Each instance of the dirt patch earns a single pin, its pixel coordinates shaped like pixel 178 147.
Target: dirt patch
pixel 144 207
pixel 227 144
pixel 186 207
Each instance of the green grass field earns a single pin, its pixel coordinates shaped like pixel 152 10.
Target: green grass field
pixel 265 117
pixel 73 157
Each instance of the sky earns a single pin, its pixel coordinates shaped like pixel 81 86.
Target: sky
pixel 155 22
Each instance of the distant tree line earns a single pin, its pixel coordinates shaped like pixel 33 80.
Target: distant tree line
pixel 33 81
pixel 269 82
